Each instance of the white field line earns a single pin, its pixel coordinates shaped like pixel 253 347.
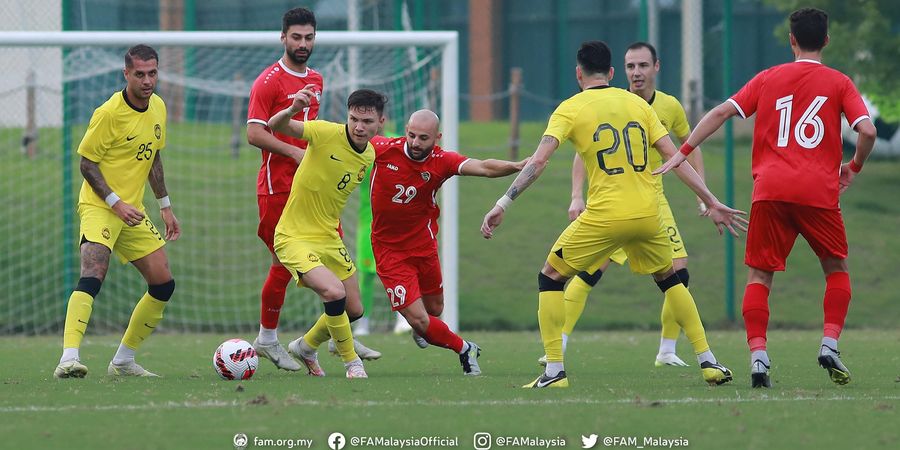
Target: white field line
pixel 208 404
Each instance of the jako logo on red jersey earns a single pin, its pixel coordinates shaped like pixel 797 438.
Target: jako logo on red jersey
pixel 392 167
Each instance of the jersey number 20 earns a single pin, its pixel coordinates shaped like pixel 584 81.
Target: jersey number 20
pixel 614 147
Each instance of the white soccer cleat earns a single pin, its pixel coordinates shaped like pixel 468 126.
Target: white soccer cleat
pixel 361 350
pixel 128 369
pixel 419 340
pixel 72 368
pixel 669 359
pixel 355 369
pixel 277 354
pixel 299 349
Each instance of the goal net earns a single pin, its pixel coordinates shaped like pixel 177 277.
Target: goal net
pixel 52 83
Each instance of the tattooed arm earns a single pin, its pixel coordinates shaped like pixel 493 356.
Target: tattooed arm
pixel 526 177
pixel 90 170
pixel 158 184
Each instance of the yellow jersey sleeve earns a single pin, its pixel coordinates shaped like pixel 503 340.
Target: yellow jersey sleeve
pixel 680 125
pixel 655 128
pixel 313 129
pixel 99 137
pixel 561 122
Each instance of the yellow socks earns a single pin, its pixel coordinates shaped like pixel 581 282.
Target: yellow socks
pixel 78 314
pixel 551 317
pixel 339 328
pixel 576 295
pixel 318 334
pixel 147 314
pixel 670 327
pixel 684 310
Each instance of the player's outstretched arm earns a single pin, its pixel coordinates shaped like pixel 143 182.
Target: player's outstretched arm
pixel 157 181
pixel 532 170
pixel 259 137
pixel 90 170
pixel 579 174
pixel 282 122
pixel 708 125
pixel 721 215
pixel 865 142
pixel 491 168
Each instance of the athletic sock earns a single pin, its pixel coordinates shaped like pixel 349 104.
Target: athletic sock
pixel 78 314
pixel 575 296
pixel 836 303
pixel 756 315
pixel 267 336
pixel 318 334
pixel 272 296
pixel 438 333
pixel 146 316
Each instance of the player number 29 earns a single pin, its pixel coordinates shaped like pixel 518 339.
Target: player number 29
pixel 614 147
pixel 397 295
pixel 404 194
pixel 808 120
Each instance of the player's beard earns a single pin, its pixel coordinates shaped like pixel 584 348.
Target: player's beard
pixel 299 58
pixel 422 153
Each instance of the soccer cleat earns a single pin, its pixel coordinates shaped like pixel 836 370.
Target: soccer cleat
pixel 543 360
pixel 669 359
pixel 830 360
pixel 355 369
pixel 72 368
pixel 128 369
pixel 469 360
pixel 715 373
pixel 277 354
pixel 759 375
pixel 362 351
pixel 300 350
pixel 419 340
pixel 543 381
pixel 361 327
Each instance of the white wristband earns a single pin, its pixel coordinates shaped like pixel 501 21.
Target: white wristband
pixel 164 202
pixel 112 199
pixel 504 202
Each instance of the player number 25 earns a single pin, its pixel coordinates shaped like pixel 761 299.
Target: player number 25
pixel 404 194
pixel 614 147
pixel 809 119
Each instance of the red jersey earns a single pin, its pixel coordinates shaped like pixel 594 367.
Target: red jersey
pixel 404 191
pixel 797 136
pixel 272 92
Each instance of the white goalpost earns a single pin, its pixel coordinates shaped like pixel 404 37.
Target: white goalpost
pixel 54 80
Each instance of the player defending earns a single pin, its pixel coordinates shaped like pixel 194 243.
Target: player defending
pixel 306 238
pixel 119 153
pixel 612 127
pixel 641 67
pixel 407 175
pixel 272 92
pixel 797 179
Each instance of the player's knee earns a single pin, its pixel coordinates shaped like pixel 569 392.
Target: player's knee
pixel 89 285
pixel 591 278
pixel 332 293
pixel 669 282
pixel 546 283
pixel 418 323
pixel 336 307
pixel 162 292
pixel 684 276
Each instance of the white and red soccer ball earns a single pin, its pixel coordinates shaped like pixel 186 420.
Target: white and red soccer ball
pixel 235 359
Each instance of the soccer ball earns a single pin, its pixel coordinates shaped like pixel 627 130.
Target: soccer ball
pixel 235 359
pixel 887 142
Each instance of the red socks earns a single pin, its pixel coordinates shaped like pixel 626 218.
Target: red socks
pixel 836 303
pixel 273 296
pixel 756 315
pixel 439 334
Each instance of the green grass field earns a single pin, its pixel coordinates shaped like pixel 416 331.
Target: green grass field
pixel 615 391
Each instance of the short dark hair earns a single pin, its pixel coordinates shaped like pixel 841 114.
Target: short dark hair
pixel 367 98
pixel 642 44
pixel 810 28
pixel 141 52
pixel 297 16
pixel 594 57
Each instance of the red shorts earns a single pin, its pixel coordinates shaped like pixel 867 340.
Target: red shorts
pixel 774 227
pixel 270 208
pixel 407 276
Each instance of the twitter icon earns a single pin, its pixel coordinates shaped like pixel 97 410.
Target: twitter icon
pixel 588 441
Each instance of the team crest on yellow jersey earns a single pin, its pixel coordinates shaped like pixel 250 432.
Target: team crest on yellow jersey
pixel 105 233
pixel 157 131
pixel 361 174
pixel 312 257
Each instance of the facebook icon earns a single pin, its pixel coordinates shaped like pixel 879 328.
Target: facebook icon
pixel 336 441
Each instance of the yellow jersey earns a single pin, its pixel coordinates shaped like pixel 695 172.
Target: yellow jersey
pixel 330 170
pixel 671 115
pixel 612 129
pixel 123 141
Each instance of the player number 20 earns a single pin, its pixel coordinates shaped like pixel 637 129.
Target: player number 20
pixel 614 147
pixel 397 295
pixel 808 120
pixel 404 194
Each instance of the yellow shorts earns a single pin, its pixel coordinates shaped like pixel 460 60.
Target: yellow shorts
pixel 588 241
pixel 301 256
pixel 668 222
pixel 102 226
